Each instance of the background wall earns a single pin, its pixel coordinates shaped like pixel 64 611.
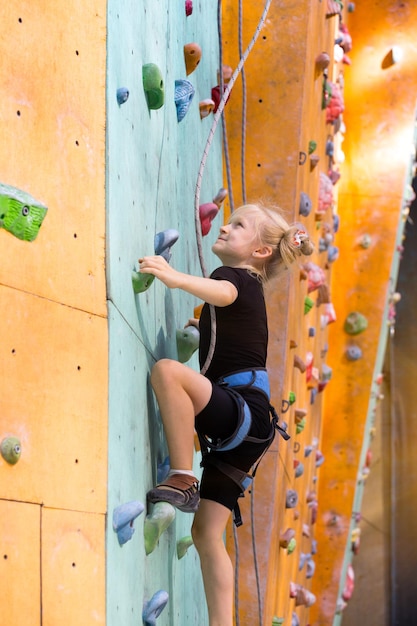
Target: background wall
pixel 53 351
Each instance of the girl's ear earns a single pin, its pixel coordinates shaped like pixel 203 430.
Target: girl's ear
pixel 263 252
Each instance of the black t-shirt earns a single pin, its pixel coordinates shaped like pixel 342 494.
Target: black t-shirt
pixel 241 327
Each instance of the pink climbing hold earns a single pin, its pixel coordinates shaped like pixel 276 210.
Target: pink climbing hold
pixel 349 584
pixel 188 7
pixel 325 194
pixel 208 212
pixel 315 274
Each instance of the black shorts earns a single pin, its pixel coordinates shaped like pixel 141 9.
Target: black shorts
pixel 219 419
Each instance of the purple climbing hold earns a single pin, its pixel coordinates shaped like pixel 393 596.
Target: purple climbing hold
pixel 184 93
pixel 353 353
pixel 188 7
pixel 153 609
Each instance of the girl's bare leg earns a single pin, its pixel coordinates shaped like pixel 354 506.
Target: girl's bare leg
pixel 181 393
pixel 207 530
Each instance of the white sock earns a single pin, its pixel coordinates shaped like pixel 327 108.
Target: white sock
pixel 177 471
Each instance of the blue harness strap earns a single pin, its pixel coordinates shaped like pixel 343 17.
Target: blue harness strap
pixel 239 381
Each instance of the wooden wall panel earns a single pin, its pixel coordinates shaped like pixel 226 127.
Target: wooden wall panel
pixel 73 573
pixel 20 575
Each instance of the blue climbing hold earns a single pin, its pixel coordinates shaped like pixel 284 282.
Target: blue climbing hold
pixel 123 518
pixel 122 95
pixel 164 241
pixel 153 608
pixel 184 93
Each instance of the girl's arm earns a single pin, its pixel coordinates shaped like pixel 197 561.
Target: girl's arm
pixel 217 292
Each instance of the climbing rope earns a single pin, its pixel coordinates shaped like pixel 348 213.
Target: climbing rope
pixel 243 131
pixel 217 116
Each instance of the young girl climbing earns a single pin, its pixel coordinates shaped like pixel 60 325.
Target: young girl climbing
pixel 228 405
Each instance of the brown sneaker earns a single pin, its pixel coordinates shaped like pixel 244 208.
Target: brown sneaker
pixel 180 490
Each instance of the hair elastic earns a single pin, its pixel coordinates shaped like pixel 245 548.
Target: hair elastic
pixel 299 237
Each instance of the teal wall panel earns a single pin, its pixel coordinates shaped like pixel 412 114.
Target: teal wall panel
pixel 152 163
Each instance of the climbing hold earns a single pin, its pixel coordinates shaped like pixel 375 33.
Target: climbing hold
pixel 349 584
pixel 192 57
pixel 188 340
pixel 332 254
pixel 141 282
pixel 277 621
pixel 291 397
pixel 183 545
pixel 183 95
pixel 153 85
pixel 311 331
pixel 325 194
pixel 312 145
pixel 308 450
pixel 294 620
pixel 328 316
pixel 365 241
pixel 308 304
pixel 286 537
pixel 291 545
pixel 314 159
pixel 299 468
pixel 351 7
pixel 305 204
pixel 215 95
pixel 122 95
pixel 163 242
pixel 291 499
pixel 300 425
pixel 153 608
pixel 303 560
pixel 310 568
pixel 355 323
pixel 206 107
pixel 319 458
pixel 323 295
pixel 20 214
pixel 11 449
pixel 123 518
pixel 335 105
pixel 334 176
pixel 355 540
pixel 299 414
pixel 315 275
pixel 302 596
pixel 207 212
pixel 299 363
pixel 353 353
pixel 163 514
pixel 322 61
pixel 220 197
pixel 330 148
pixel 162 470
pixel 188 7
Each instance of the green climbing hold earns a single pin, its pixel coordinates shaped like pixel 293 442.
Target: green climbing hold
pixel 291 546
pixel 312 145
pixel 183 545
pixel 308 304
pixel 188 340
pixel 11 450
pixel 153 85
pixel 277 621
pixel 141 282
pixel 355 323
pixel 162 516
pixel 20 214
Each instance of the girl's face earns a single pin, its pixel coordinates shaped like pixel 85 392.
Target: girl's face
pixel 238 240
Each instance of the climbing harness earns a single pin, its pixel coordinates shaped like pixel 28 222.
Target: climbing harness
pixel 236 382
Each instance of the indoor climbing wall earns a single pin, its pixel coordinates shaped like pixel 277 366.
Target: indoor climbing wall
pixel 53 352
pixel 152 167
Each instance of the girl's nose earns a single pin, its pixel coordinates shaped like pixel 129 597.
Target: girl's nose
pixel 223 229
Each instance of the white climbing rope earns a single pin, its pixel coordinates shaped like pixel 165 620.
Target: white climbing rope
pixel 217 116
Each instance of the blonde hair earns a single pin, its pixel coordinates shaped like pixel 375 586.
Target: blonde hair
pixel 288 241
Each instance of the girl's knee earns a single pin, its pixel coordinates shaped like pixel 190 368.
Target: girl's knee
pixel 162 370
